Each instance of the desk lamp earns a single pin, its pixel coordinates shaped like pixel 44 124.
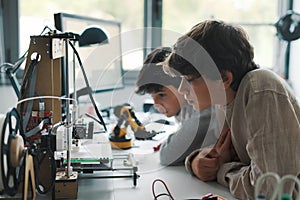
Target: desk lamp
pixel 92 36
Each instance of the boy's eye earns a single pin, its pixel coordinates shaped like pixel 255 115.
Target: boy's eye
pixel 162 94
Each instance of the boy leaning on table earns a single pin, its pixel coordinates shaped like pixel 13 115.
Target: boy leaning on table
pixel 261 114
pixel 194 126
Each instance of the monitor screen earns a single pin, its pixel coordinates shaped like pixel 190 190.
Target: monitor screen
pixel 102 62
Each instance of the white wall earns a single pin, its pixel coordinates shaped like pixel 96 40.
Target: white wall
pixel 295 67
pixel 295 59
pixel 8 98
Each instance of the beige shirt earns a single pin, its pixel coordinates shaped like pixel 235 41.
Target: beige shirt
pixel 265 131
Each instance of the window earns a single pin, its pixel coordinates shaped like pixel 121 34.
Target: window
pixel 256 16
pixel 35 15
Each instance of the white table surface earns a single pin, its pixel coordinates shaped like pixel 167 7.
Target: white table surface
pixel 181 184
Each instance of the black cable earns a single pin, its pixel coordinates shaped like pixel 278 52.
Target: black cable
pixel 161 194
pixel 38 162
pixel 45 28
pixel 88 86
pixel 53 163
pixel 94 118
pixel 24 89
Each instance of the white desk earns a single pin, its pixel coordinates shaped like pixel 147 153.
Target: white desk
pixel 180 183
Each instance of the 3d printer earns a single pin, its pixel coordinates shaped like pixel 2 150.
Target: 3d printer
pixel 40 113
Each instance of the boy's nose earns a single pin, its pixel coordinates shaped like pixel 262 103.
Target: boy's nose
pixel 183 87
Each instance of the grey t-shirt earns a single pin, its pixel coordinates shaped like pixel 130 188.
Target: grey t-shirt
pixel 195 130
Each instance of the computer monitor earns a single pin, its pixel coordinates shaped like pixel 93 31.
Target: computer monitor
pixel 103 62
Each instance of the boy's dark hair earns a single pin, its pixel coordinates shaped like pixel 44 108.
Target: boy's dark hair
pixel 227 45
pixel 152 77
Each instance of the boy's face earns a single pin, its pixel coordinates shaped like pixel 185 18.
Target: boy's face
pixel 202 92
pixel 167 101
pixel 195 92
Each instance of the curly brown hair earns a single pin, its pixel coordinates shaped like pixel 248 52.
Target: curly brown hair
pixel 226 44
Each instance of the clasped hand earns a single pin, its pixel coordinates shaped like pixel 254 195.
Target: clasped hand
pixel 207 163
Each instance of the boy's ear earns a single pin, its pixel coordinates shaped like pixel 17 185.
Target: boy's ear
pixel 227 78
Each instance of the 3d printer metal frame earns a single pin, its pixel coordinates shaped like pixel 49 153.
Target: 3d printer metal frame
pixel 86 169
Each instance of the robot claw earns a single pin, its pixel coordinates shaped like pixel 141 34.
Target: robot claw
pixel 126 117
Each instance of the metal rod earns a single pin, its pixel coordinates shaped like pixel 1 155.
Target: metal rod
pixel 100 177
pixel 74 116
pixel 68 120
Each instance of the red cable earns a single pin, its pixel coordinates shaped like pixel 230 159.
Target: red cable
pixel 166 187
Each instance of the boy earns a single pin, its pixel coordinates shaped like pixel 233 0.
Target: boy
pixel 261 112
pixel 167 100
